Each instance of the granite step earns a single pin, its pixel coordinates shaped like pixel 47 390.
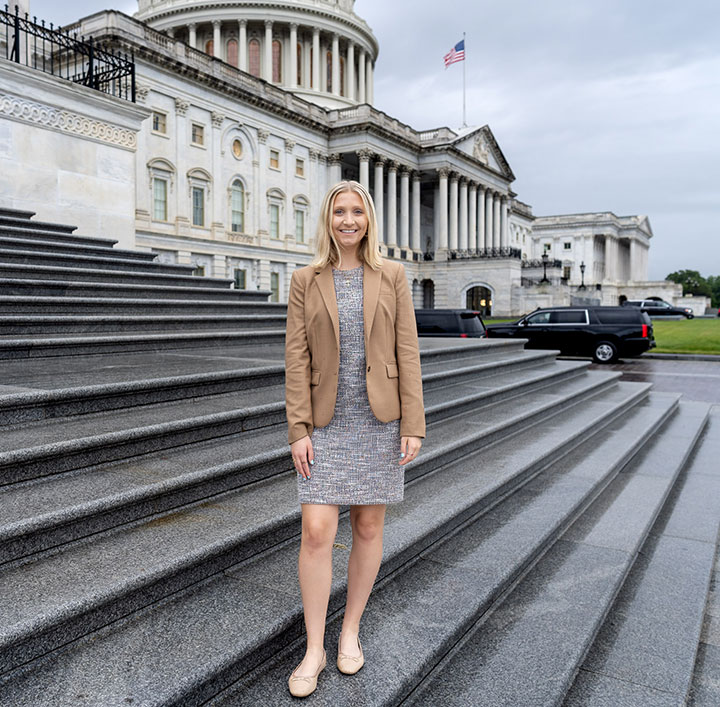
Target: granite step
pixel 118 323
pixel 81 306
pixel 22 242
pixel 645 651
pixel 74 345
pixel 21 221
pixel 31 231
pixel 531 645
pixel 59 597
pixel 197 289
pixel 15 214
pixel 84 441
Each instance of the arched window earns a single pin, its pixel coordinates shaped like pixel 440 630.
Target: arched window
pixel 232 52
pixel 299 64
pixel 209 47
pixel 276 61
pixel 342 75
pixel 328 63
pixel 254 57
pixel 237 207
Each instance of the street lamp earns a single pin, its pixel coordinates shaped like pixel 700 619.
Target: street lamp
pixel 582 276
pixel 544 257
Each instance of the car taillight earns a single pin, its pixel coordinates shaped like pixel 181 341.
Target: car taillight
pixel 463 336
pixel 645 331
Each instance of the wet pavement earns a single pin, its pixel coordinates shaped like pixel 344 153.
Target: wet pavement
pixel 696 380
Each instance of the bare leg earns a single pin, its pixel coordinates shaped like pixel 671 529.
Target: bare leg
pixel 319 527
pixel 365 557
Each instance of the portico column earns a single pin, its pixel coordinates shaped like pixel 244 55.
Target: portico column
pixel 192 35
pixel 442 209
pixel 292 83
pixel 267 69
pixel 496 220
pixel 335 65
pixel 481 217
pixel 391 233
pixel 489 218
pixel 453 235
pixel 217 48
pixel 316 60
pixel 609 264
pixel 361 77
pixel 335 168
pixel 404 208
pixel 350 92
pixel 415 232
pixel 364 158
pixel 242 49
pixel 463 230
pixel 379 198
pixel 369 88
pixel 472 221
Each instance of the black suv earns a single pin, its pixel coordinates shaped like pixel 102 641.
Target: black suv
pixel 659 308
pixel 465 323
pixel 605 333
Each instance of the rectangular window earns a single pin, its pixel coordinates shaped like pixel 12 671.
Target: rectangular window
pixel 567 246
pixel 159 199
pixel 274 221
pixel 275 159
pixel 240 279
pixel 300 167
pixel 546 247
pixel 198 204
pixel 275 287
pixel 159 122
pixel 237 216
pixel 199 271
pixel 566 272
pixel 198 134
pixel 299 226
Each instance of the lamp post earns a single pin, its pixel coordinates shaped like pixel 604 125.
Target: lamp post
pixel 582 276
pixel 544 257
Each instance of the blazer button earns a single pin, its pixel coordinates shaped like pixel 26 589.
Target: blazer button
pixel 368 369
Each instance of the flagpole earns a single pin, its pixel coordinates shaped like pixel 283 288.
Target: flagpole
pixel 464 62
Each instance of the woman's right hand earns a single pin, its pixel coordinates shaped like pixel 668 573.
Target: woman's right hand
pixel 303 456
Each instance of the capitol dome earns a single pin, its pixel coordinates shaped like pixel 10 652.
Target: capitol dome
pixel 279 42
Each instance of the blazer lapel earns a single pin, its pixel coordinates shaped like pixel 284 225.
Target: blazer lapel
pixel 326 285
pixel 371 295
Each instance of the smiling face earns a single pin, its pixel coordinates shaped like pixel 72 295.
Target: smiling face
pixel 349 221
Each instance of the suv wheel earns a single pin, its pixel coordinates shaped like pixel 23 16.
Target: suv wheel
pixel 689 315
pixel 605 352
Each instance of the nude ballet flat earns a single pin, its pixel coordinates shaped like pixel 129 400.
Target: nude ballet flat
pixel 302 686
pixel 350 664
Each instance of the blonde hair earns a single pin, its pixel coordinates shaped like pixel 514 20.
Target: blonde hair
pixel 326 247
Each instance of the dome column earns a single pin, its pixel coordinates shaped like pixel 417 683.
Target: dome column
pixel 292 83
pixel 267 69
pixel 350 73
pixel 361 77
pixel 369 81
pixel 335 65
pixel 216 39
pixel 316 60
pixel 242 48
pixel 192 35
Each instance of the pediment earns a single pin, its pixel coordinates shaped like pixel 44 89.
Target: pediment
pixel 481 145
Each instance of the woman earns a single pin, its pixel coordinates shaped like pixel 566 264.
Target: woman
pixel 354 408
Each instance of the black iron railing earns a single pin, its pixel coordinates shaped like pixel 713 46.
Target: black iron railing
pixel 54 51
pixel 483 253
pixel 539 263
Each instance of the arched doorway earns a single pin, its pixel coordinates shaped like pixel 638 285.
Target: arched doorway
pixel 479 298
pixel 428 291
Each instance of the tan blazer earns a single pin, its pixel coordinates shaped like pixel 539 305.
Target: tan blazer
pixel 312 350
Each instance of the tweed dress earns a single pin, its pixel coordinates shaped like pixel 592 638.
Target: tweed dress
pixel 356 455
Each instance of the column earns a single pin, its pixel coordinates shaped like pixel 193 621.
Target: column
pixel 183 213
pixel 391 234
pixel 453 235
pixel 316 60
pixel 217 41
pixel 242 45
pixel 609 264
pixel 472 221
pixel 369 81
pixel 267 69
pixel 350 72
pixel 335 65
pixel 504 226
pixel 463 230
pixel 361 77
pixel 378 197
pixel 481 217
pixel 292 83
pixel 404 208
pixel 307 65
pixel 335 168
pixel 496 220
pixel 415 232
pixel 192 35
pixel 488 218
pixel 442 209
pixel 364 158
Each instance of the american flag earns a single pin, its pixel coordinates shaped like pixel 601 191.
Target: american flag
pixel 457 53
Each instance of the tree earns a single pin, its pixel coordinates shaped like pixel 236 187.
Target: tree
pixel 714 282
pixel 693 283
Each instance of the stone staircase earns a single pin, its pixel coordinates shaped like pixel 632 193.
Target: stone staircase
pixel 554 546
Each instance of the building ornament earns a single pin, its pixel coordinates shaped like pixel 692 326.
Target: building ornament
pixel 65 121
pixel 313 154
pixel 141 92
pixel 364 155
pixel 404 172
pixel 392 166
pixel 334 159
pixel 380 160
pixel 263 135
pixel 289 145
pixel 217 119
pixel 181 106
pixel 443 172
pixel 480 151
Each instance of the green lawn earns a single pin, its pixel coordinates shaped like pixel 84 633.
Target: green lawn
pixel 693 336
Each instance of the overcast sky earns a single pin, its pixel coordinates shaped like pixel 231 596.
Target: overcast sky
pixel 598 105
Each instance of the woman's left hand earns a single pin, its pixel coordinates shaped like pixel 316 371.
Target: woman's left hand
pixel 409 448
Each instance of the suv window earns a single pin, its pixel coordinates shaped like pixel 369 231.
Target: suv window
pixel 539 318
pixel 617 316
pixel 572 316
